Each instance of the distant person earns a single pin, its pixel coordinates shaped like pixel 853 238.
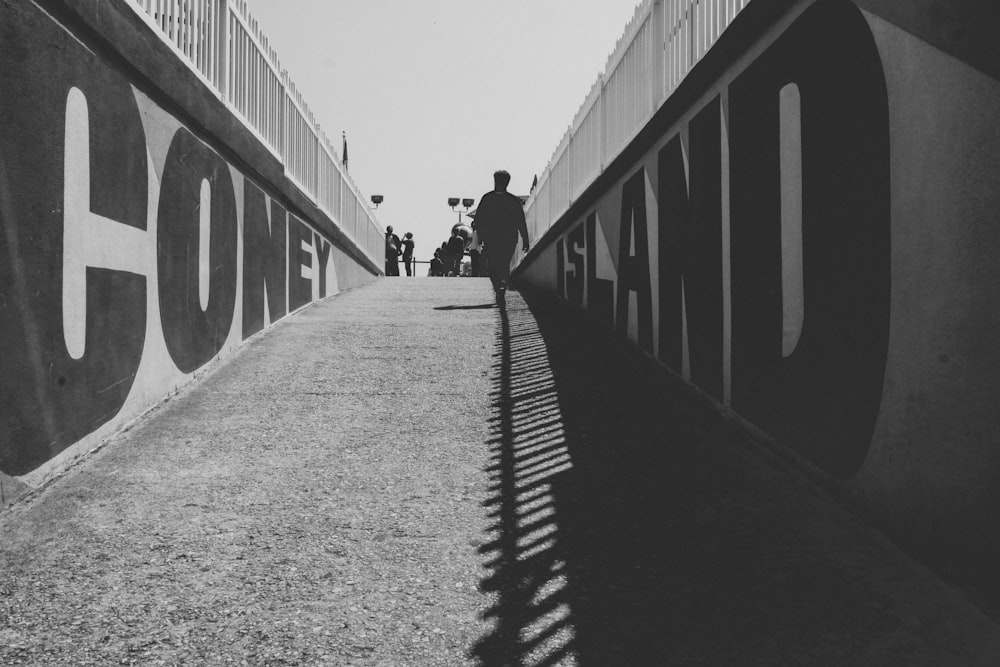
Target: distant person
pixel 392 246
pixel 408 252
pixel 437 266
pixel 474 269
pixel 499 220
pixel 456 251
pixel 478 254
pixel 444 257
pixel 475 247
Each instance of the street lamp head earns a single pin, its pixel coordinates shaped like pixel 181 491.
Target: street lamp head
pixel 468 202
pixel 377 199
pixel 453 201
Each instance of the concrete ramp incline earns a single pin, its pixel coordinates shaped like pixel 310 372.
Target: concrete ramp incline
pixel 405 475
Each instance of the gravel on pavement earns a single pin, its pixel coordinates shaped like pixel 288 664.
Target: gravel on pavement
pixel 405 475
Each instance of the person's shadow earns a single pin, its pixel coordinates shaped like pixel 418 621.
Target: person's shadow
pixel 480 306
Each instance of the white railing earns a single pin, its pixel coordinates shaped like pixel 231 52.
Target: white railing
pixel 192 29
pixel 224 45
pixel 255 85
pixel 301 141
pixel 660 45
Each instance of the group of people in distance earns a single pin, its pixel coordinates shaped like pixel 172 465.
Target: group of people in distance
pixel 490 241
pixel 448 258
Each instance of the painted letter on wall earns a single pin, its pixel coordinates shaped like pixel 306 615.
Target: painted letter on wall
pixel 633 262
pixel 600 292
pixel 690 224
pixel 575 281
pixel 264 254
pixel 196 192
pixel 823 397
pixel 299 287
pixel 51 395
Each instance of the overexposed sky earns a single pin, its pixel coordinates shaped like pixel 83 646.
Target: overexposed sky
pixel 435 95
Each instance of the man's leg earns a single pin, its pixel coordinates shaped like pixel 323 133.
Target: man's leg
pixel 498 253
pixel 487 256
pixel 501 268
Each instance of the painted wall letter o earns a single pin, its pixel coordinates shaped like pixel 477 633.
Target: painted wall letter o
pixel 194 334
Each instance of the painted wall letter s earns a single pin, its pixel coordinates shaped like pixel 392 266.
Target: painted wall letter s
pixel 575 242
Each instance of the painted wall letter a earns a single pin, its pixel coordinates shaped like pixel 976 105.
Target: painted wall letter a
pixel 633 262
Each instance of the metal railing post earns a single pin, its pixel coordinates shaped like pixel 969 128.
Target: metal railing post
pixel 659 49
pixel 603 101
pixel 222 46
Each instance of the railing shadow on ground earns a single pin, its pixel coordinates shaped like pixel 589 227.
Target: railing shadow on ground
pixel 577 561
pixel 631 525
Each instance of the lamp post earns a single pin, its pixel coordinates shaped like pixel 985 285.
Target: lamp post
pixel 466 202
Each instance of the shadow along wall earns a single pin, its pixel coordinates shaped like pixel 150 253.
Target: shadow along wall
pixel 136 248
pixel 808 232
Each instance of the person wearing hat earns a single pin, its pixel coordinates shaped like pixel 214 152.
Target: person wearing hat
pixel 499 220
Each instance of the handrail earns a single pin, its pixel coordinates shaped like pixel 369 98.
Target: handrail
pixel 223 44
pixel 661 43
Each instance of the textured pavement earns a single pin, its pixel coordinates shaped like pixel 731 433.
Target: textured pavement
pixel 404 475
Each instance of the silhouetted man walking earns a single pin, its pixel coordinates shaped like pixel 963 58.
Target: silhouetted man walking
pixel 499 219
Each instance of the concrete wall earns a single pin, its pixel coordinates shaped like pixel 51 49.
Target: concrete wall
pixel 809 232
pixel 137 248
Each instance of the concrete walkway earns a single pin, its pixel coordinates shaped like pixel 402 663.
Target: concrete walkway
pixel 402 475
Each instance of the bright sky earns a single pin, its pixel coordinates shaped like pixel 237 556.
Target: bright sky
pixel 435 95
